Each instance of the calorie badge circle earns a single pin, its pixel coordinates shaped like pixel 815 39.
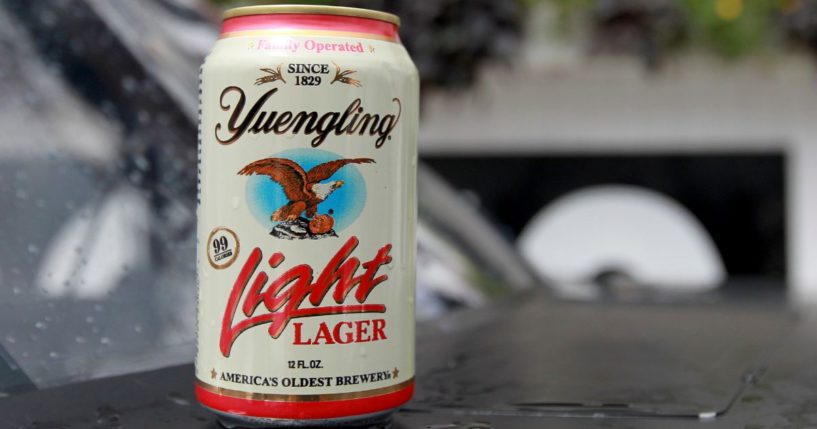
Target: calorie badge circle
pixel 222 248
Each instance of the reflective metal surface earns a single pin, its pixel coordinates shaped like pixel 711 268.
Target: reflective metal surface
pixel 529 363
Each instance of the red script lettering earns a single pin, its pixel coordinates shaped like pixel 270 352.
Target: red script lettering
pixel 284 296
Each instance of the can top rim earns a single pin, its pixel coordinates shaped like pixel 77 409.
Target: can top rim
pixel 311 9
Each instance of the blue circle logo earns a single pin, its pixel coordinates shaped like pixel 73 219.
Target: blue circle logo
pixel 340 196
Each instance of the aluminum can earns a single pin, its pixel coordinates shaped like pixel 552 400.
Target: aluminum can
pixel 306 218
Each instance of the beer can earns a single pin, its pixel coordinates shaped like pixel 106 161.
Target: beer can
pixel 306 218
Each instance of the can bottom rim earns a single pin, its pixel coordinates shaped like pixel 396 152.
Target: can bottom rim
pixel 320 410
pixel 233 421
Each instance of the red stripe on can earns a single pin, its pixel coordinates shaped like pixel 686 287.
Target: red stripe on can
pixel 310 22
pixel 304 410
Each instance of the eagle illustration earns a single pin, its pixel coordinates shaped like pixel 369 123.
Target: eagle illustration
pixel 303 188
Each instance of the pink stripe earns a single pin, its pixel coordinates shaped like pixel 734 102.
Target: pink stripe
pixel 351 24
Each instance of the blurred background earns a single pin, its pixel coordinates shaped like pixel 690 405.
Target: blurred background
pixel 601 150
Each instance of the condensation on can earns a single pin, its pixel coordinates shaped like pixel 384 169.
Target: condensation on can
pixel 306 218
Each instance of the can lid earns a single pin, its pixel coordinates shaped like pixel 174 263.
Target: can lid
pixel 311 9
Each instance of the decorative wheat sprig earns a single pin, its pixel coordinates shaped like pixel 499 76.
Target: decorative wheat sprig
pixel 342 76
pixel 272 77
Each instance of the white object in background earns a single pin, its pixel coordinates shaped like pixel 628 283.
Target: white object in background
pixel 443 271
pixel 97 247
pixel 642 233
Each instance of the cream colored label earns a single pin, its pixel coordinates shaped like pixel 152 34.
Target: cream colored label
pixel 306 217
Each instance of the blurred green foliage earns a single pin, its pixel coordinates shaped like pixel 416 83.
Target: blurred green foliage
pixel 568 11
pixel 728 28
pixel 732 28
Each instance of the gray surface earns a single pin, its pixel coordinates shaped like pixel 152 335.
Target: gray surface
pixel 476 368
pixel 533 357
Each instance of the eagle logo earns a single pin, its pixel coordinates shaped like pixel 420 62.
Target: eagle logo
pixel 305 190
